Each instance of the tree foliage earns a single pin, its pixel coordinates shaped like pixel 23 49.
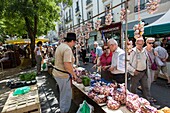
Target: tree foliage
pixel 32 17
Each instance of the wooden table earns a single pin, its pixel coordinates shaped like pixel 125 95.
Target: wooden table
pixel 27 103
pixel 101 108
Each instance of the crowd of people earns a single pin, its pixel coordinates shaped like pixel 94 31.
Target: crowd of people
pixel 144 64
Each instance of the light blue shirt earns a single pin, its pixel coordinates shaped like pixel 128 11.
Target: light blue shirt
pixel 162 52
pixel 99 51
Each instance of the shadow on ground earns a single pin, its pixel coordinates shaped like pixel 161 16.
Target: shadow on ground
pixel 49 94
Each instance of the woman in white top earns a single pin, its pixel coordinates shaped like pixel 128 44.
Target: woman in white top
pixel 38 56
pixel 151 59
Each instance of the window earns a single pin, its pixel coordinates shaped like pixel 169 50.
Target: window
pixel 77 6
pixel 69 14
pixel 142 5
pixel 141 2
pixel 107 7
pixel 89 15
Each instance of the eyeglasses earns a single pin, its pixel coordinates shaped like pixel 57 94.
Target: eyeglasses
pixel 150 43
pixel 106 48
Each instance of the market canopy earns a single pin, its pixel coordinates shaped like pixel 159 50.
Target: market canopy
pixel 159 27
pixel 25 41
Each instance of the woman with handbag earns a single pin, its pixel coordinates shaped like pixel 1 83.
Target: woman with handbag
pixel 152 67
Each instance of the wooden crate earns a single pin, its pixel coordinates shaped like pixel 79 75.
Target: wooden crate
pixel 27 103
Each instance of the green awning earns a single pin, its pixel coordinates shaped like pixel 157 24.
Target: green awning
pixel 153 30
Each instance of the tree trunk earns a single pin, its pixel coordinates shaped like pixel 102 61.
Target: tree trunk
pixel 32 37
pixel 33 61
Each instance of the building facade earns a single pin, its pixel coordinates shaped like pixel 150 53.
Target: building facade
pixel 82 10
pixel 164 6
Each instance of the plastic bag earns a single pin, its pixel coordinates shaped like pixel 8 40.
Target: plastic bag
pixel 85 108
pixel 21 91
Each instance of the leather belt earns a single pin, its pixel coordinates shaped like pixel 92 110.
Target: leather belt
pixel 141 70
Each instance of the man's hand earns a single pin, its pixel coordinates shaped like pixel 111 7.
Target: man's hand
pixel 104 68
pixel 111 68
pixel 156 53
pixel 136 72
pixel 74 77
pixel 163 59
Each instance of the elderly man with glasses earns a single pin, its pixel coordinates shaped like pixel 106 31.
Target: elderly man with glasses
pixel 118 57
pixel 138 67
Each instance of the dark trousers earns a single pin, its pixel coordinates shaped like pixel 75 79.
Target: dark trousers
pixel 106 75
pixel 119 78
pixel 142 79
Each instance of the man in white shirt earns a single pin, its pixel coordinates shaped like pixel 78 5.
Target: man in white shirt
pixel 118 61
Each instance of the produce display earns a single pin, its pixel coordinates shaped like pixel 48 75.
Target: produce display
pixel 139 105
pixel 112 104
pixel 113 94
pixel 164 110
pixel 27 76
pixel 139 30
pixel 108 19
pixel 123 14
pixel 152 6
pixel 97 24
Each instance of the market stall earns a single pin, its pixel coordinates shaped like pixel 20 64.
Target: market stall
pixel 107 97
pixel 25 41
pixel 99 107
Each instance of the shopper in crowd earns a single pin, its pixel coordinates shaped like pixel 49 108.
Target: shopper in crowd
pixel 137 68
pixel 118 58
pixel 151 60
pixel 105 62
pixel 63 71
pixel 98 53
pixel 27 51
pixel 164 43
pixel 161 54
pixel 83 52
pixel 38 56
pixel 151 63
pixel 5 55
pixel 92 55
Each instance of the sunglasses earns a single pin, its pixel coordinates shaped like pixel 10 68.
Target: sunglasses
pixel 106 48
pixel 150 43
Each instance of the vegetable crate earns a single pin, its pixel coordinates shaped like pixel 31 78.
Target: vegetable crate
pixel 27 103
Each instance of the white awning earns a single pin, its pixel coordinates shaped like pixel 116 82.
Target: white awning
pixel 163 20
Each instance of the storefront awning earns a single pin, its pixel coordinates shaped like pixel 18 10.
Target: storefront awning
pixel 159 27
pixel 25 41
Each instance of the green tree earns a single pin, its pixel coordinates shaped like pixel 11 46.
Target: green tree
pixel 34 17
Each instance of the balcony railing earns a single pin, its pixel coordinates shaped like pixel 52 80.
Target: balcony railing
pixel 142 7
pixel 88 2
pixel 77 9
